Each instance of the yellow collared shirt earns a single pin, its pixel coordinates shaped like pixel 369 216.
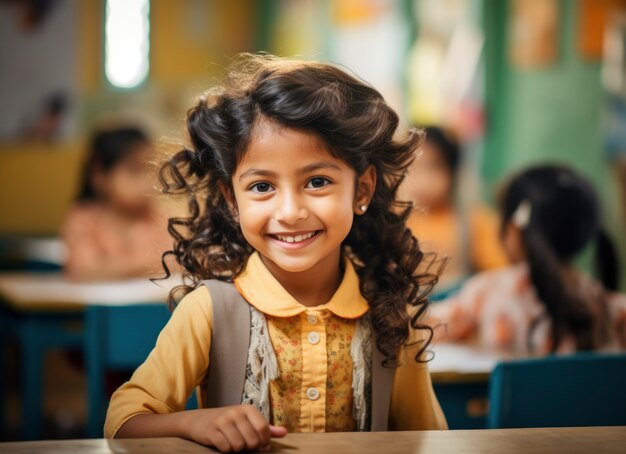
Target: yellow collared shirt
pixel 314 390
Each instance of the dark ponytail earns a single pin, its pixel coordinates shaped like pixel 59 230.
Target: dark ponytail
pixel 563 218
pixel 607 263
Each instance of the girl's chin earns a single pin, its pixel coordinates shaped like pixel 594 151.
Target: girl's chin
pixel 292 261
pixel 294 265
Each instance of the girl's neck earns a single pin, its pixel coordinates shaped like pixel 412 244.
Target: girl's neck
pixel 315 286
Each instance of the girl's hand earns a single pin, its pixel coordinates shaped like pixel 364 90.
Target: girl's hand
pixel 232 429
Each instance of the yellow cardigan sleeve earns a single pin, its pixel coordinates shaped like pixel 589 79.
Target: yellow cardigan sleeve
pixel 176 365
pixel 414 405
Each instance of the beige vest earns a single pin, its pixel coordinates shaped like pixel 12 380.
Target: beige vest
pixel 225 381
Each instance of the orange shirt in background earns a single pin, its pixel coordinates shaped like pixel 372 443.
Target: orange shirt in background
pixel 442 231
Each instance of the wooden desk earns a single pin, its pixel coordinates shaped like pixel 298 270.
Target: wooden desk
pixel 44 311
pixel 511 441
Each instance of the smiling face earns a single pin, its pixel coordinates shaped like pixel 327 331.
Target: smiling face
pixel 295 201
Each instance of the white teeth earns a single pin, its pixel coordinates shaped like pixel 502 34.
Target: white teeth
pixel 295 239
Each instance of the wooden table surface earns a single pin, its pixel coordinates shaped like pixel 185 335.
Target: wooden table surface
pixel 509 441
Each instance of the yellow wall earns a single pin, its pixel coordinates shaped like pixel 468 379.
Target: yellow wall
pixel 37 183
pixel 185 47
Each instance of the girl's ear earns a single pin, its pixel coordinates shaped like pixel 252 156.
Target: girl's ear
pixel 513 243
pixel 366 185
pixel 228 195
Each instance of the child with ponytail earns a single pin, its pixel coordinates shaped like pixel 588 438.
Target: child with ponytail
pixel 542 304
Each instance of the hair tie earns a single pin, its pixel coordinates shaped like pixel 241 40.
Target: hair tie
pixel 521 216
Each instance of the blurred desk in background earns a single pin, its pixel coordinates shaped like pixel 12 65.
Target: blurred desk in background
pixel 460 376
pixel 599 440
pixel 44 311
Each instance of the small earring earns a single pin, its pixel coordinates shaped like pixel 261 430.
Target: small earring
pixel 363 208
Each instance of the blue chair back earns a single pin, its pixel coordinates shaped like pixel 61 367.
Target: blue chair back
pixel 586 389
pixel 117 338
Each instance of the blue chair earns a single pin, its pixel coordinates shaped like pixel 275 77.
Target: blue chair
pixel 586 389
pixel 464 402
pixel 36 333
pixel 116 338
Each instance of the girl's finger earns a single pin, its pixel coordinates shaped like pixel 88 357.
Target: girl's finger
pixel 260 425
pixel 219 441
pixel 249 434
pixel 277 431
pixel 235 439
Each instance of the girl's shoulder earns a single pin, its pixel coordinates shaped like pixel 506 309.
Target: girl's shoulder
pixel 196 303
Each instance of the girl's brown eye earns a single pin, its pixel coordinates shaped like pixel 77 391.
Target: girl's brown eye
pixel 261 187
pixel 318 182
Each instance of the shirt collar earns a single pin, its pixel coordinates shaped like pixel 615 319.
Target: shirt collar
pixel 261 289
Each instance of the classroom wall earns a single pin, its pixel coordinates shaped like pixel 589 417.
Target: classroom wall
pixel 190 42
pixel 548 114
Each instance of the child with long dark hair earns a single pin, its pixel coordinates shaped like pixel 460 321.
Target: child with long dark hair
pixel 466 233
pixel 291 176
pixel 115 230
pixel 542 303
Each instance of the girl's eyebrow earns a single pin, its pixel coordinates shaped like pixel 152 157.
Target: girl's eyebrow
pixel 257 173
pixel 318 166
pixel 306 169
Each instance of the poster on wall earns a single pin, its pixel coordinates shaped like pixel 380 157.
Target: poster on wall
pixel 533 33
pixel 449 37
pixel 369 37
pixel 592 20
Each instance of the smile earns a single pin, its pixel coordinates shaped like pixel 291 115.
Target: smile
pixel 294 238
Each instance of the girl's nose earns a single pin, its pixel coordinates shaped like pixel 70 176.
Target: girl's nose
pixel 291 209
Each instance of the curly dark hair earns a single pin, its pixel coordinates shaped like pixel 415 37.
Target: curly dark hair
pixel 357 126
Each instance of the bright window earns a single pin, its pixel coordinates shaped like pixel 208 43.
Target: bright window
pixel 127 42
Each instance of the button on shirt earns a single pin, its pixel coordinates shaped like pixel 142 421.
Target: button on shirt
pixel 313 392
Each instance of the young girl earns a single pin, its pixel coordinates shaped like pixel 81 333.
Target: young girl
pixel 115 230
pixel 469 236
pixel 292 177
pixel 542 304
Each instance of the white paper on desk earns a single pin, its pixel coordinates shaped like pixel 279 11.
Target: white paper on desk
pixel 54 288
pixel 462 359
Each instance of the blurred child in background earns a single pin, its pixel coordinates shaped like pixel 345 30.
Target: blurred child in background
pixel 541 304
pixel 114 230
pixel 468 237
